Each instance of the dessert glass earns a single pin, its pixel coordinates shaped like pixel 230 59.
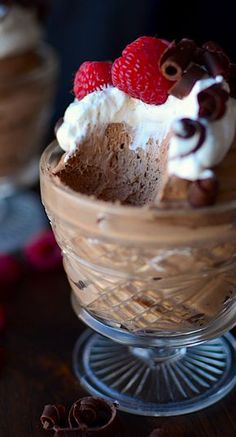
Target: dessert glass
pixel 159 287
pixel 26 94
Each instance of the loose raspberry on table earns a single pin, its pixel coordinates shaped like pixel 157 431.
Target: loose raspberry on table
pixel 10 270
pixel 42 252
pixel 137 71
pixel 91 76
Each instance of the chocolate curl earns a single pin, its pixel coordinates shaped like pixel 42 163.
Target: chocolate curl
pixel 184 85
pixel 232 80
pixel 53 416
pixel 187 129
pixel 203 192
pixel 95 416
pixel 176 58
pixel 215 60
pixel 212 102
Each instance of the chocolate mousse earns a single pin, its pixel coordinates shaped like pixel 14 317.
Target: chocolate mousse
pixel 139 186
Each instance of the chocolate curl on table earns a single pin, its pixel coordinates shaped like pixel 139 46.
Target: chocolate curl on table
pixel 192 131
pixel 53 416
pixel 203 192
pixel 95 416
pixel 212 102
pixel 176 58
pixel 184 85
pixel 215 60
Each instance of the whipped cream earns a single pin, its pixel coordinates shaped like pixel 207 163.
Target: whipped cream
pixel 110 105
pixel 19 31
pixel 218 139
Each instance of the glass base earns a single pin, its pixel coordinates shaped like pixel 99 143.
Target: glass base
pixel 156 381
pixel 21 217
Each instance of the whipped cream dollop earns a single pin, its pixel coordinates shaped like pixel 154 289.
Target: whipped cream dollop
pixel 110 105
pixel 19 31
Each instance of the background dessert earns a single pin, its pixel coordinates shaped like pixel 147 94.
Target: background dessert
pixel 27 82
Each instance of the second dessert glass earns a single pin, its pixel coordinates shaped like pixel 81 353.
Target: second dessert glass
pixel 159 287
pixel 26 91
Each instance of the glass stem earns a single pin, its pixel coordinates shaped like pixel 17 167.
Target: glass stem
pixel 158 355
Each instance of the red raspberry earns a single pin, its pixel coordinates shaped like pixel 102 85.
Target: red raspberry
pixel 42 252
pixel 10 270
pixel 91 76
pixel 137 73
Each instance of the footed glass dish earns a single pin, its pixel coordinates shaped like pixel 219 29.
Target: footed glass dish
pixel 158 287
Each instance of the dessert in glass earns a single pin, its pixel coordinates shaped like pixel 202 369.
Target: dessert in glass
pixel 27 72
pixel 140 192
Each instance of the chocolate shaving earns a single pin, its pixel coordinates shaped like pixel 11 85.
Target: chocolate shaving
pixel 190 128
pixel 176 59
pixel 89 416
pixel 212 46
pixel 52 416
pixel 232 80
pixel 215 60
pixel 92 412
pixel 212 102
pixel 203 192
pixel 183 87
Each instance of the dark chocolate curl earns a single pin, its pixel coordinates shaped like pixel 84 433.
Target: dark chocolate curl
pixel 176 59
pixel 95 415
pixel 190 128
pixel 212 102
pixel 203 192
pixel 232 80
pixel 215 60
pixel 52 416
pixel 183 87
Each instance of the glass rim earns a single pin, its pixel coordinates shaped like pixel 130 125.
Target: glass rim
pixel 117 208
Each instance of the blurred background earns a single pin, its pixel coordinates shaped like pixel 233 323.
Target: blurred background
pixel 83 30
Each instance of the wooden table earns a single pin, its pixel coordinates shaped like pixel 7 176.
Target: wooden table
pixel 40 336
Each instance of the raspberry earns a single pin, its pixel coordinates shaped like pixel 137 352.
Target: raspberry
pixel 137 72
pixel 42 252
pixel 10 270
pixel 91 76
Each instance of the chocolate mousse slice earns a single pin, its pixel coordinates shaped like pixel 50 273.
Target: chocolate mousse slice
pixel 110 170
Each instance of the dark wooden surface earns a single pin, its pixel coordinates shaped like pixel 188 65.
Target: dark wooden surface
pixel 41 332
